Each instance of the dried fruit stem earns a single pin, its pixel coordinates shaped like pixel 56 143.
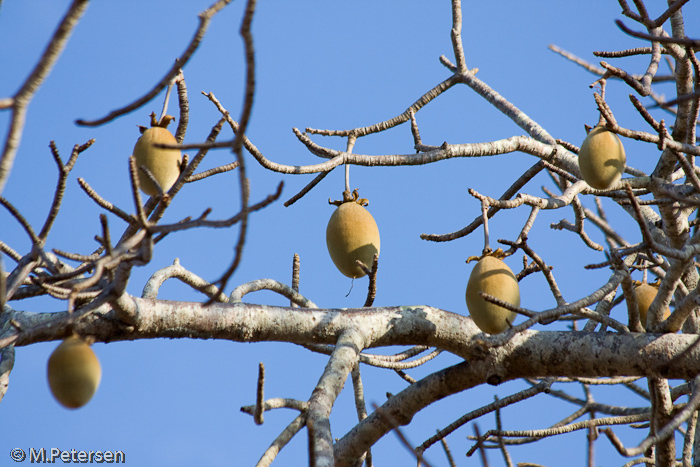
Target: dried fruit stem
pixel 485 220
pixel 351 145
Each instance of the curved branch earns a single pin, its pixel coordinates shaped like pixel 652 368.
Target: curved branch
pixel 665 432
pixel 204 20
pixel 399 119
pixel 540 387
pixel 278 403
pixel 274 286
pixel 694 43
pixel 150 290
pixel 21 100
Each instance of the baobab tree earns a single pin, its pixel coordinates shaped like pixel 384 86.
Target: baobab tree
pixel 638 228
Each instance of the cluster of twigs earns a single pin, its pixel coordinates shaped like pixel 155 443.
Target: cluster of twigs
pixel 100 277
pixel 667 249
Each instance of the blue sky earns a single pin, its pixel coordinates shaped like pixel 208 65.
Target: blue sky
pixel 331 65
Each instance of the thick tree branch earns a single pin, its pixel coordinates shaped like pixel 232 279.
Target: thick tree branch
pixel 349 345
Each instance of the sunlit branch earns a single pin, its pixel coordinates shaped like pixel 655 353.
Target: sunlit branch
pixel 274 286
pixel 543 386
pixel 20 101
pixel 329 386
pixel 204 20
pixel 176 271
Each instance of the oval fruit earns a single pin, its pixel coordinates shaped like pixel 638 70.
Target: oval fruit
pixel 74 373
pixel 494 277
pixel 352 234
pixel 601 158
pixel 645 294
pixel 164 164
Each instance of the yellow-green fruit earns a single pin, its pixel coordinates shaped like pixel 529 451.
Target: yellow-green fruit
pixel 352 234
pixel 74 373
pixel 164 164
pixel 601 158
pixel 494 277
pixel 645 294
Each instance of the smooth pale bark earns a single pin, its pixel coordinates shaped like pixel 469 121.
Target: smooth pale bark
pixel 527 354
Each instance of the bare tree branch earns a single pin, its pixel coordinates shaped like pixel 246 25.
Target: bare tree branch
pixel 204 20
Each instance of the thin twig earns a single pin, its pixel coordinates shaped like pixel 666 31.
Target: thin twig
pixel 499 427
pixel 424 100
pixel 176 271
pixel 512 190
pixel 306 189
pixel 63 171
pixel 480 446
pixel 22 221
pixel 456 35
pixel 259 409
pixel 295 277
pixel 135 191
pixel 694 43
pixel 664 432
pixel 204 20
pixel 282 440
pixel 240 136
pixel 210 172
pixel 389 419
pixel 543 386
pixel 184 105
pixel 372 287
pixel 104 203
pixel 20 101
pixel 274 286
pixel 448 453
